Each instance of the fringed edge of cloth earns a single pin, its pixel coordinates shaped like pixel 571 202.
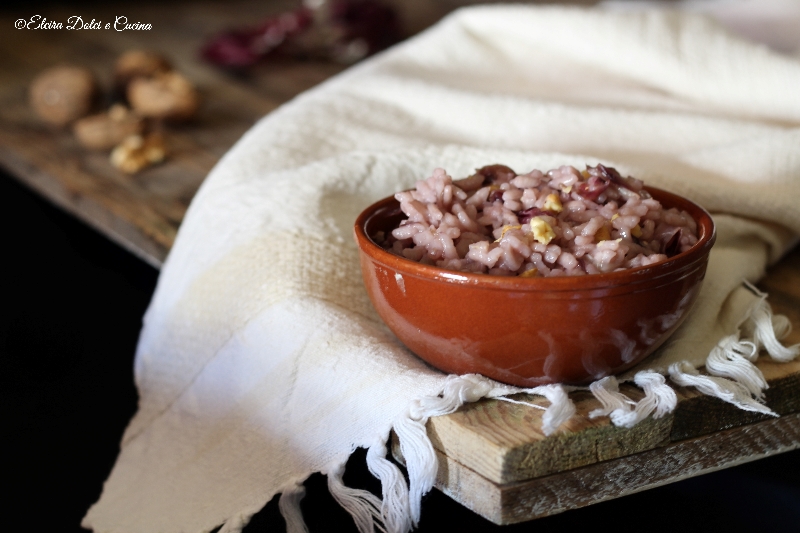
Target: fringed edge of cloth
pixel 731 376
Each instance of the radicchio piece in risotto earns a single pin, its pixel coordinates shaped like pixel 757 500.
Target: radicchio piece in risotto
pixel 560 223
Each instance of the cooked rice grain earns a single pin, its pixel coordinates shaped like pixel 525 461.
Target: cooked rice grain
pixel 560 223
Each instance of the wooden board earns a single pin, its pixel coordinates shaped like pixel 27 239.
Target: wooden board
pixel 503 442
pixel 495 460
pixel 547 495
pixel 588 462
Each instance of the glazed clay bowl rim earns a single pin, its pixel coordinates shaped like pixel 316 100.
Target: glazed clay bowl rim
pixel 631 277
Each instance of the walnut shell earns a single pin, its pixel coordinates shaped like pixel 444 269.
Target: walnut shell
pixel 166 96
pixel 60 95
pixel 136 64
pixel 106 130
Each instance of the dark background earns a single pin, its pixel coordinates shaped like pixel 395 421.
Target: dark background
pixel 72 303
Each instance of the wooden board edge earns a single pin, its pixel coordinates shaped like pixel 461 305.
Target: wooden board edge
pixel 540 497
pixel 122 233
pixel 474 436
pixel 579 442
pixel 701 415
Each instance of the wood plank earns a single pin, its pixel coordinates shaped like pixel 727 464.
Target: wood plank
pixel 503 442
pixel 544 496
pixel 141 212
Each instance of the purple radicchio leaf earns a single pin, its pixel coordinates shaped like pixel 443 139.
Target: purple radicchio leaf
pixel 526 215
pixel 495 195
pixel 343 30
pixel 496 174
pixel 244 47
pixel 673 245
pixel 592 188
pixel 614 176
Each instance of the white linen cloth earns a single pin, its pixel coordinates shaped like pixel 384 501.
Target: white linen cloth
pixel 261 360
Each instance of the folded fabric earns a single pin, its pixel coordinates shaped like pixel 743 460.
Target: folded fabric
pixel 262 361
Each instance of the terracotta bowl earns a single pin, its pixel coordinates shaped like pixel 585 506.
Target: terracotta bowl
pixel 533 331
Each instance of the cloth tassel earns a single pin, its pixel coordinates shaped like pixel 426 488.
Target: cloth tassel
pixel 733 358
pixel 363 506
pixel 612 401
pixel 686 375
pixel 659 399
pixel 289 505
pixel 415 445
pixel 395 508
pixel 560 409
pixel 767 330
pixel 420 460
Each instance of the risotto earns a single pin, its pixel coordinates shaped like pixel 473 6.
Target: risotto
pixel 563 222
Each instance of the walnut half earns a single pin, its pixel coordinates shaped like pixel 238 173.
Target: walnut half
pixel 136 153
pixel 60 95
pixel 167 96
pixel 138 64
pixel 106 130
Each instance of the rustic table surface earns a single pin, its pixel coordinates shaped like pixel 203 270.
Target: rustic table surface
pixel 493 457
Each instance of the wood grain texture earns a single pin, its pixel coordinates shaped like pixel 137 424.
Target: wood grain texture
pixel 503 442
pixel 605 481
pixel 543 496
